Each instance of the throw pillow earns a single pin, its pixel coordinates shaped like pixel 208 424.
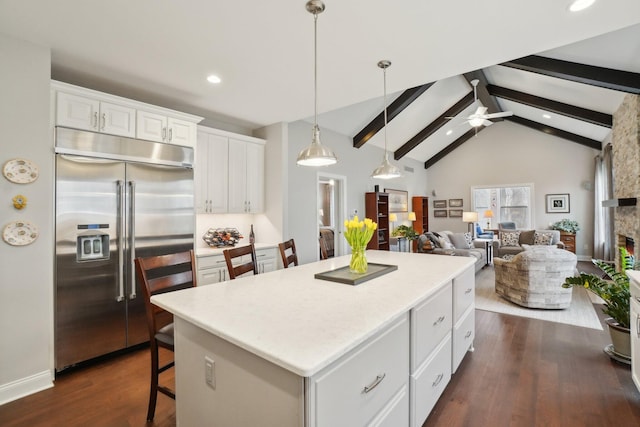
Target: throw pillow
pixel 459 240
pixel 509 238
pixel 469 238
pixel 527 237
pixel 543 238
pixel 433 239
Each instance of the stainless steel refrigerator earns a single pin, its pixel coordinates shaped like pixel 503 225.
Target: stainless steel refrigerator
pixel 116 199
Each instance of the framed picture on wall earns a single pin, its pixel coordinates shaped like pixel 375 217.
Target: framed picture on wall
pixel 558 203
pixel 455 213
pixel 439 204
pixel 455 203
pixel 440 213
pixel 398 200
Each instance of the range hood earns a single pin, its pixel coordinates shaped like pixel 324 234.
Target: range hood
pixel 623 201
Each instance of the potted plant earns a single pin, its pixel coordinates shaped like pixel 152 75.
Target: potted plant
pixel 616 296
pixel 405 231
pixel 566 225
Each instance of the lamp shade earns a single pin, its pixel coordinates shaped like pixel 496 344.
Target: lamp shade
pixel 393 217
pixel 488 213
pixel 411 216
pixel 469 216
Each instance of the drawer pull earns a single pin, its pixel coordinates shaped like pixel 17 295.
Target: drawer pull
pixel 468 334
pixel 375 383
pixel 438 379
pixel 437 322
pixel 638 325
pixel 468 291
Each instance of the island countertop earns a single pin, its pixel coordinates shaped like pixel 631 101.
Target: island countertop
pixel 303 324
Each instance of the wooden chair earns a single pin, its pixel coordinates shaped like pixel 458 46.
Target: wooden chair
pixel 156 275
pixel 235 271
pixel 323 248
pixel 288 259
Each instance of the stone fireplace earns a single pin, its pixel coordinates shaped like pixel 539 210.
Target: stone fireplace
pixel 626 172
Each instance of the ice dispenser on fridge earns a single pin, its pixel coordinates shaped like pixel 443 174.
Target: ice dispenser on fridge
pixel 92 244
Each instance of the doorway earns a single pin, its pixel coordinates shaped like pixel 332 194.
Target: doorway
pixel 331 210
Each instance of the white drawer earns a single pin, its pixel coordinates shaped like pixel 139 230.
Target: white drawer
pixel 463 334
pixel 339 393
pixel 211 261
pixel 463 292
pixel 429 381
pixel 396 413
pixel 431 321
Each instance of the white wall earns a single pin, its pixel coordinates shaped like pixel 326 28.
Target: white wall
pixel 508 153
pixel 355 164
pixel 26 272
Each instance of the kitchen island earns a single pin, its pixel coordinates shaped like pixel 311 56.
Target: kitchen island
pixel 285 349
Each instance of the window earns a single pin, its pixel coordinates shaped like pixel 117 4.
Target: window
pixel 508 203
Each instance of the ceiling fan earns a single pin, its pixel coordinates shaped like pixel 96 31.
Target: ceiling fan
pixel 480 117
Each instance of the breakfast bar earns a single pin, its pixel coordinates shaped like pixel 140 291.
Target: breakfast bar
pixel 287 349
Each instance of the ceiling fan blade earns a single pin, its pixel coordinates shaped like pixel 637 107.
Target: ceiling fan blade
pixel 487 122
pixel 496 115
pixel 481 111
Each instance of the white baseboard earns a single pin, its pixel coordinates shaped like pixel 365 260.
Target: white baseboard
pixel 25 386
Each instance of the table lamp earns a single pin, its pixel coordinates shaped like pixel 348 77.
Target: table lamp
pixel 392 218
pixel 488 214
pixel 411 216
pixel 471 218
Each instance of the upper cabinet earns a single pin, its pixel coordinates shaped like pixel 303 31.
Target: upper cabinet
pixel 229 172
pixel 87 109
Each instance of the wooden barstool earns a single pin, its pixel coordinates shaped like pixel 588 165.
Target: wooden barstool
pixel 231 254
pixel 323 248
pixel 160 274
pixel 288 259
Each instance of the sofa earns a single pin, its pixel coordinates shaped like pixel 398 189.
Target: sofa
pixel 534 277
pixel 456 244
pixel 510 242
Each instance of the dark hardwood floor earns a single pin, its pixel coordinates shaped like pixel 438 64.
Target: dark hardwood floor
pixel 523 372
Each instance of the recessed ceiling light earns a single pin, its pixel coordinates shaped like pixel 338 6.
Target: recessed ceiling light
pixel 546 116
pixel 579 5
pixel 449 132
pixel 213 79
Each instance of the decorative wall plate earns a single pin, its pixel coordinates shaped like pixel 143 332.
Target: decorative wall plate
pixel 19 233
pixel 20 171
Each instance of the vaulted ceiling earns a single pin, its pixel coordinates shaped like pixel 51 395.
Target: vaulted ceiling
pixel 161 51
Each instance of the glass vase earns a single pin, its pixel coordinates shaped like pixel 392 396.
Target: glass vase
pixel 358 263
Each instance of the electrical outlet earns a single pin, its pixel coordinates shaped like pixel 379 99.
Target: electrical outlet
pixel 210 372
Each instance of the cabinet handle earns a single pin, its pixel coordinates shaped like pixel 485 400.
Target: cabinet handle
pixel 437 322
pixel 374 384
pixel 468 291
pixel 437 381
pixel 164 134
pixel 468 334
pixel 95 120
pixel 170 134
pixel 638 325
pixel 104 121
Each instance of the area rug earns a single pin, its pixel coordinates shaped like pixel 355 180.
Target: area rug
pixel 580 313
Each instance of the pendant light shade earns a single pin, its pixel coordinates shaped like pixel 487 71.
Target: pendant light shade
pixel 316 154
pixel 386 170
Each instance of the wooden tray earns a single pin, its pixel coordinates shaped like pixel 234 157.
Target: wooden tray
pixel 343 275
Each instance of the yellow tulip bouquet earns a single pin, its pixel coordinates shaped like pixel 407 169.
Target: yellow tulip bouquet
pixel 358 233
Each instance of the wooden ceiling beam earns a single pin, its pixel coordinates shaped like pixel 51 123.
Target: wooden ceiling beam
pixel 607 78
pixel 396 107
pixel 449 148
pixel 432 127
pixel 583 114
pixel 588 142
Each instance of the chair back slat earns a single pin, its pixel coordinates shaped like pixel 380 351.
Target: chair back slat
pixel 237 270
pixel 323 248
pixel 292 258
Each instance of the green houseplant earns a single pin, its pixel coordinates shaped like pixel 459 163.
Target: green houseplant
pixel 566 225
pixel 405 231
pixel 616 296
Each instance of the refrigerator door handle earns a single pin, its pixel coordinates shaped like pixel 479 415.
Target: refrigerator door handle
pixel 132 238
pixel 120 221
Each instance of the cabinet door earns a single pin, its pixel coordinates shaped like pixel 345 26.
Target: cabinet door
pixel 77 112
pixel 117 120
pixel 255 178
pixel 151 126
pixel 201 174
pixel 210 276
pixel 218 180
pixel 181 132
pixel 237 176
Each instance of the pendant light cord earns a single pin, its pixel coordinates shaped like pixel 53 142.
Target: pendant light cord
pixel 315 69
pixel 384 78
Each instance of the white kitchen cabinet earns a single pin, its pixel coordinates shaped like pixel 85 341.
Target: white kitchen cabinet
pixel 211 269
pixel 463 316
pixel 267 260
pixel 80 112
pixel 246 176
pixel 211 173
pixel 159 127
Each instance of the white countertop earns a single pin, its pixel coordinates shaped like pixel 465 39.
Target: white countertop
pixel 218 251
pixel 303 324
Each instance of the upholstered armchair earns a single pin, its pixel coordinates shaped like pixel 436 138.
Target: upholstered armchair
pixel 480 234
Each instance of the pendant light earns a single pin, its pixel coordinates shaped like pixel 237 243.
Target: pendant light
pixel 316 154
pixel 386 170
